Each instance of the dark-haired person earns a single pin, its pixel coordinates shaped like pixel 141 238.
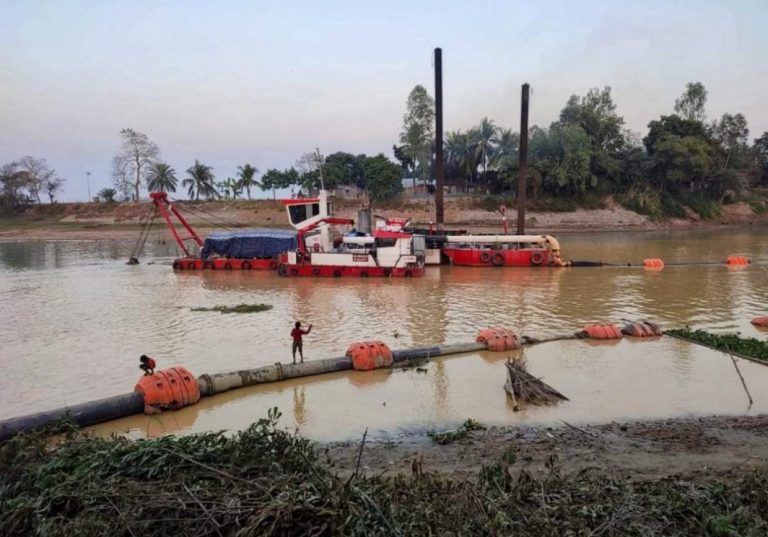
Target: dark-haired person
pixel 147 365
pixel 297 334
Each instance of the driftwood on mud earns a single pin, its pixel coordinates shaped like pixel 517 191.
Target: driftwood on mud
pixel 524 387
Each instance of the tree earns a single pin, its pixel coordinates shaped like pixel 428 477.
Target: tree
pixel 274 179
pixel 486 133
pixel 678 160
pixel 691 103
pixel 133 159
pixel 344 169
pixel 161 177
pixel 38 174
pixel 52 185
pixel 560 156
pixel 383 177
pixel 201 181
pixel 13 186
pixel 406 162
pixel 462 156
pixel 760 149
pixel 107 194
pixel 230 188
pixel 596 114
pixel 672 125
pixel 731 133
pixel 310 165
pixel 245 174
pixel 418 129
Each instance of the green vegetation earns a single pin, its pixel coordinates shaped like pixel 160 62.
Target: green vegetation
pixel 749 346
pixel 459 435
pixel 266 481
pixel 240 308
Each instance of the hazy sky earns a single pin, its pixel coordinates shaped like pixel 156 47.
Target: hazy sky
pixel 231 82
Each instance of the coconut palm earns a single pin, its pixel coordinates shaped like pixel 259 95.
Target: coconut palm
pixel 246 181
pixel 486 132
pixel 161 177
pixel 201 181
pixel 461 153
pixel 230 188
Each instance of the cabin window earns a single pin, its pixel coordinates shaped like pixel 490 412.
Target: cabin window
pixel 299 213
pixel 385 243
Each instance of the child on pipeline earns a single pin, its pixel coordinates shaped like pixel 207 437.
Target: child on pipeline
pixel 147 365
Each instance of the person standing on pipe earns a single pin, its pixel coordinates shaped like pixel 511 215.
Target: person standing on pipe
pixel 297 334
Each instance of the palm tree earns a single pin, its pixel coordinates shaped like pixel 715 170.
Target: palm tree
pixel 486 133
pixel 200 181
pixel 161 178
pixel 230 187
pixel 462 154
pixel 246 173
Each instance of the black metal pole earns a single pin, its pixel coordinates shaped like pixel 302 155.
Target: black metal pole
pixel 439 172
pixel 521 181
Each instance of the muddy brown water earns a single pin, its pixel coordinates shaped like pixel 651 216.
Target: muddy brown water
pixel 76 318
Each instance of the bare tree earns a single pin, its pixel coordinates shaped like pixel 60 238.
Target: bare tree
pixel 130 164
pixel 38 176
pixel 52 186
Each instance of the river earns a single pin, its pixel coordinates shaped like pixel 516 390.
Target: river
pixel 76 318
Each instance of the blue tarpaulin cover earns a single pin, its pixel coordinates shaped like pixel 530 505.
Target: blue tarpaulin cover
pixel 249 243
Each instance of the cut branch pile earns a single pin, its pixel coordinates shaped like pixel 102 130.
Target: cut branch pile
pixel 525 388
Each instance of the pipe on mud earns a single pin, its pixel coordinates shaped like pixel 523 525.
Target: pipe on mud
pixel 84 414
pixel 210 384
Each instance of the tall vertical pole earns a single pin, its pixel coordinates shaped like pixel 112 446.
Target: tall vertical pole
pixel 439 172
pixel 88 183
pixel 521 181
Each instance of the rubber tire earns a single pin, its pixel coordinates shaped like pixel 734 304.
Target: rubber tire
pixel 498 259
pixel 178 265
pixel 363 274
pixel 273 264
pixel 228 266
pixel 485 256
pixel 245 265
pixel 316 271
pixel 191 265
pixel 537 258
pixel 209 265
pixel 294 272
pixel 282 270
pixel 337 274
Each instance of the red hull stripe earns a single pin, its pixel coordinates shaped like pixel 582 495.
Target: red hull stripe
pixel 475 257
pixel 188 263
pixel 327 271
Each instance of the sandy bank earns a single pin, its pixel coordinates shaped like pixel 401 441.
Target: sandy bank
pixel 79 221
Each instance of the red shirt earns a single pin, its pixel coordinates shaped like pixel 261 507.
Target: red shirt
pixel 297 332
pixel 151 362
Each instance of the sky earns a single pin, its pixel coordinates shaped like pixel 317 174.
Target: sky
pixel 231 82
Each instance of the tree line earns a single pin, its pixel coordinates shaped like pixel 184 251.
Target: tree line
pixel 25 181
pixel 684 160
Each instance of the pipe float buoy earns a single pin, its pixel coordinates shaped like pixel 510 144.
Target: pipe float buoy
pixel 168 389
pixel 644 329
pixel 760 321
pixel 499 339
pixel 737 260
pixel 654 263
pixel 367 355
pixel 601 331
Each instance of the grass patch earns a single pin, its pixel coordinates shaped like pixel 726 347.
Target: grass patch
pixel 459 435
pixel 240 308
pixel 266 481
pixel 752 347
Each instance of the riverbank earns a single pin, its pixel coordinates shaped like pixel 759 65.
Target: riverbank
pixel 94 221
pixel 266 481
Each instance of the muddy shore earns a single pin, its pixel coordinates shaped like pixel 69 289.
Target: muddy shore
pixel 645 449
pixel 93 221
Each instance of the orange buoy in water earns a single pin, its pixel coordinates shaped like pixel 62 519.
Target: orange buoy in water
pixel 644 329
pixel 737 260
pixel 367 355
pixel 654 263
pixel 168 389
pixel 499 339
pixel 760 321
pixel 601 331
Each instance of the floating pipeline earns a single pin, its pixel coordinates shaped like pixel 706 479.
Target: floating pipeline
pixel 175 387
pixel 659 264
